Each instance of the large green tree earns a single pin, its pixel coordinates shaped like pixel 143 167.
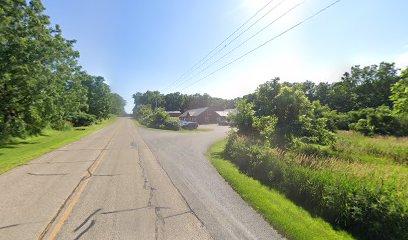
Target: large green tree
pixel 400 94
pixel 174 101
pixel 41 82
pixel 99 97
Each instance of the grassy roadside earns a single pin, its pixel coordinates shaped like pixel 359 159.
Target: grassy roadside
pixel 21 151
pixel 289 219
pixel 137 123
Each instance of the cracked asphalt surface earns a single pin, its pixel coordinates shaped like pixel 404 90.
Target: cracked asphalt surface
pixel 125 182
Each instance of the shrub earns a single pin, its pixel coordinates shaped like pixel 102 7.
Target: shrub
pixel 172 124
pixel 157 118
pixel 265 125
pixel 82 119
pixel 243 119
pixel 142 112
pixel 380 121
pixel 314 131
pixel 288 115
pixel 62 125
pixel 363 127
pixel 400 94
pixel 342 121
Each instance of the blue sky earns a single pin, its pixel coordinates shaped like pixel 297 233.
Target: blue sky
pixel 147 45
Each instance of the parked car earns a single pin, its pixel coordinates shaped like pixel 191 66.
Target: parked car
pixel 188 125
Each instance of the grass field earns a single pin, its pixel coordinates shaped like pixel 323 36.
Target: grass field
pixel 356 147
pixel 289 219
pixel 20 151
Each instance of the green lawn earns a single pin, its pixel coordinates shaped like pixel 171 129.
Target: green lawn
pixel 290 220
pixel 20 151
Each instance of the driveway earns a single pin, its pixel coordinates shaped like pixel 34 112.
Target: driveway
pixel 217 205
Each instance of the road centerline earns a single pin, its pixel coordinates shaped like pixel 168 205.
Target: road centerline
pixel 63 213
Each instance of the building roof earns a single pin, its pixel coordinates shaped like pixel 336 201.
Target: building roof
pixel 194 112
pixel 226 112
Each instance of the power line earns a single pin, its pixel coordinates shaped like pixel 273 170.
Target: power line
pixel 239 28
pixel 229 43
pixel 263 44
pixel 241 44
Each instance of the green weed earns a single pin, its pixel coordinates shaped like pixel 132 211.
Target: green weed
pixel 289 219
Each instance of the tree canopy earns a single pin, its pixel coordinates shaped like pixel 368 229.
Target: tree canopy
pixel 41 83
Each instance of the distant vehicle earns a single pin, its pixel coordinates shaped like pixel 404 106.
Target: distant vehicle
pixel 223 123
pixel 188 125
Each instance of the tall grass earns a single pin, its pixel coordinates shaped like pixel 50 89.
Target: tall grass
pixel 292 221
pixel 369 199
pixel 378 149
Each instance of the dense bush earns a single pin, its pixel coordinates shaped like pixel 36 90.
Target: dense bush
pixel 172 124
pixel 82 119
pixel 400 94
pixel 369 208
pixel 381 121
pixel 62 125
pixel 244 117
pixel 157 118
pixel 281 115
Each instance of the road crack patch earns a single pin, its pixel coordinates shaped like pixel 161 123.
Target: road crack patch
pixel 159 219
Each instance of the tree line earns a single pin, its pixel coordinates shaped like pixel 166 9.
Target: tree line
pixel 179 102
pixel 41 82
pixel 371 99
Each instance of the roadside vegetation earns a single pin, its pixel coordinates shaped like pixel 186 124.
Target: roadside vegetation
pixel 338 150
pixel 42 86
pixel 146 116
pixel 17 151
pixel 286 217
pixel 156 118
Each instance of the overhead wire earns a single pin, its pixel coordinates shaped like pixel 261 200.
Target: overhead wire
pixel 242 43
pixel 265 43
pixel 231 41
pixel 220 44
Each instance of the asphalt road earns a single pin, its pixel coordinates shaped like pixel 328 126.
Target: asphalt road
pixel 112 185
